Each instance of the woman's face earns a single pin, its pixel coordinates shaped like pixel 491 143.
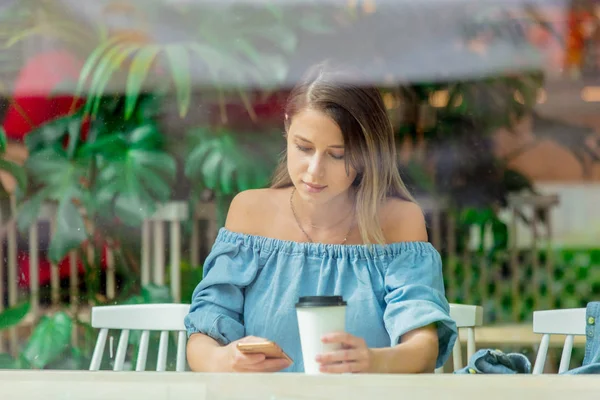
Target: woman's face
pixel 315 157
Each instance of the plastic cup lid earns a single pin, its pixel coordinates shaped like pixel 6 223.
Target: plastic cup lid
pixel 320 301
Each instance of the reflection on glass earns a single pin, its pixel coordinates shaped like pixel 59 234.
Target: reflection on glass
pixel 128 127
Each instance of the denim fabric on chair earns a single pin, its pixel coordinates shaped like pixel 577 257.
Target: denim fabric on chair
pixel 488 361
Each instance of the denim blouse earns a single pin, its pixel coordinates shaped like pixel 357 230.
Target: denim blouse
pixel 252 283
pixel 591 360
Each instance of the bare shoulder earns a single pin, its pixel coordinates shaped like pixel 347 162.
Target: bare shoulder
pixel 252 210
pixel 402 221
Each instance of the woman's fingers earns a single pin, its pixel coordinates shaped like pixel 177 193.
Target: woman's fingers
pixel 252 339
pixel 338 356
pixel 270 365
pixel 354 355
pixel 344 338
pixel 248 359
pixel 343 368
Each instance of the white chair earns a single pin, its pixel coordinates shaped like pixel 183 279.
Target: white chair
pixel 570 322
pixel 467 317
pixel 153 246
pixel 144 317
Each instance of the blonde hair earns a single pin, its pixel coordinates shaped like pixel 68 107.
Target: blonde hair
pixel 368 140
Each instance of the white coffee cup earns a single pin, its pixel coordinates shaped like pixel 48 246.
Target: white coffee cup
pixel 317 316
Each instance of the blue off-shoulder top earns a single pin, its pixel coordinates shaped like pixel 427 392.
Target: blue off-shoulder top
pixel 252 283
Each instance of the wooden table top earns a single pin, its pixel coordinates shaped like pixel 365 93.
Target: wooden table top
pixel 108 385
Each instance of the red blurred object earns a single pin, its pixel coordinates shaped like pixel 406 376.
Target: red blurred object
pixel 34 101
pixel 44 271
pixel 575 38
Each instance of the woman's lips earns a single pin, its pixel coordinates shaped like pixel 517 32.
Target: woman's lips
pixel 312 188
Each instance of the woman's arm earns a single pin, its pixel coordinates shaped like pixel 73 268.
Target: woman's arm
pixel 416 353
pixel 204 353
pixel 220 296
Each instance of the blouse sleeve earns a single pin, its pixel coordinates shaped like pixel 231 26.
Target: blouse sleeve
pixel 217 303
pixel 415 297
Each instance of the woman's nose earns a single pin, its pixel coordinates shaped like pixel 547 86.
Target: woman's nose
pixel 315 165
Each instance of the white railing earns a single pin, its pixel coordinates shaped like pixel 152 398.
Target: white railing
pixel 153 258
pixel 154 251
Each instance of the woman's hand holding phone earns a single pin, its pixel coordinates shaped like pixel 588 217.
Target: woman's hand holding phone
pixel 239 361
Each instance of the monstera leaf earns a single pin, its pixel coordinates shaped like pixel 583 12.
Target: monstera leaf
pixel 223 53
pixel 230 47
pixel 116 171
pixel 228 162
pixel 13 315
pixel 134 175
pixel 51 337
pixel 60 180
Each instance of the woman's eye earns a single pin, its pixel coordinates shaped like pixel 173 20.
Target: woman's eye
pixel 338 156
pixel 304 149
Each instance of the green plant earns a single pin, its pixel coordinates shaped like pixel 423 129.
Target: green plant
pixel 48 341
pixel 571 282
pixel 191 275
pixel 96 168
pixel 227 162
pixel 251 51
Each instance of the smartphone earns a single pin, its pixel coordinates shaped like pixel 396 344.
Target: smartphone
pixel 268 348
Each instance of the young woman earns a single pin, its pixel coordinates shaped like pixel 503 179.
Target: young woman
pixel 337 220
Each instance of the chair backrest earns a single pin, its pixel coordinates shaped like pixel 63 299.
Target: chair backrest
pixel 569 322
pixel 153 265
pixel 144 317
pixel 467 317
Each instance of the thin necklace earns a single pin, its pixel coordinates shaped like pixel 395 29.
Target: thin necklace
pixel 315 226
pixel 300 225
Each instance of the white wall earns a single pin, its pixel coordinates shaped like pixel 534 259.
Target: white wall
pixel 576 219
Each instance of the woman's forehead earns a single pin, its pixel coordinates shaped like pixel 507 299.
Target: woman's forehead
pixel 316 126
